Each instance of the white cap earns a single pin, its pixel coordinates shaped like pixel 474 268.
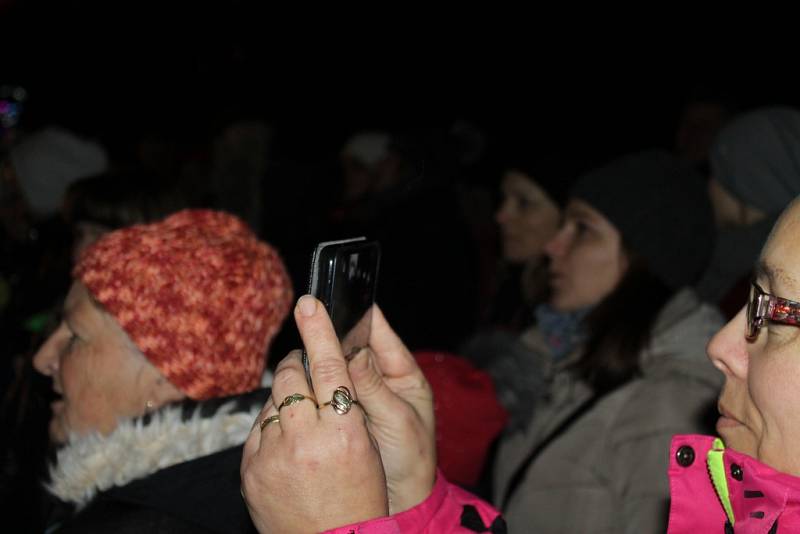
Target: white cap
pixel 48 161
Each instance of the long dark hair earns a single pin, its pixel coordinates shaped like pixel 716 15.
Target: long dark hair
pixel 620 326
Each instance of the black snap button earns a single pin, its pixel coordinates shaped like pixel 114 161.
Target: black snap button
pixel 685 456
pixel 728 528
pixel 736 472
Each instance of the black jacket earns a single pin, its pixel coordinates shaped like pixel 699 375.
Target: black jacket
pixel 199 496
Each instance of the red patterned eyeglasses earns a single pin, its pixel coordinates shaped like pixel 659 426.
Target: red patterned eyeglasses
pixel 762 307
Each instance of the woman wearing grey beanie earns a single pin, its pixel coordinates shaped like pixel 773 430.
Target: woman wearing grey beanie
pixel 624 338
pixel 755 164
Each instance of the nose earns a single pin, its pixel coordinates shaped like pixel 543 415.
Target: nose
pixel 501 215
pixel 557 246
pixel 47 357
pixel 728 349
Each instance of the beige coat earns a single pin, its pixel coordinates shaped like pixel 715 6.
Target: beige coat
pixel 608 471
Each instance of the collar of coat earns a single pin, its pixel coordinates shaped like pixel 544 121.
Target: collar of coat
pixel 139 447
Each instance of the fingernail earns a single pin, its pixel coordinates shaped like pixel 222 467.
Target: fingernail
pixel 307 305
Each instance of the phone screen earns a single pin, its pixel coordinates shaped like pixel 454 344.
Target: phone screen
pixel 343 277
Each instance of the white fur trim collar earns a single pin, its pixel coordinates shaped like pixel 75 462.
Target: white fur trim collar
pixel 93 463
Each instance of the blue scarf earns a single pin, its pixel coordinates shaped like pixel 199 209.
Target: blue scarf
pixel 562 331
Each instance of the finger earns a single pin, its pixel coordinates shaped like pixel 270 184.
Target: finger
pixel 254 439
pixel 374 395
pixel 325 359
pixel 291 394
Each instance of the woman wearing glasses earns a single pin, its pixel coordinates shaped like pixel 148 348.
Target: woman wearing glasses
pixel 749 481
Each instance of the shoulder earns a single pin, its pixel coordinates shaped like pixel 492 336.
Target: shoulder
pixel 677 348
pixel 661 406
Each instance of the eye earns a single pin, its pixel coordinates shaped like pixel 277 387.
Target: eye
pixel 70 343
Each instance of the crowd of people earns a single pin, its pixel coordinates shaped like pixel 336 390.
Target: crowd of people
pixel 547 355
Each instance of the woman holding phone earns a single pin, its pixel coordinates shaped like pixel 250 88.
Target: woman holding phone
pixel 751 483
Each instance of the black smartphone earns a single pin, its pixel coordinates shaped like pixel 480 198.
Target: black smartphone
pixel 343 277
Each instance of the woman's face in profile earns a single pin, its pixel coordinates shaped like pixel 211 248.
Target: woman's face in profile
pixel 587 260
pixel 760 402
pixel 527 216
pixel 97 371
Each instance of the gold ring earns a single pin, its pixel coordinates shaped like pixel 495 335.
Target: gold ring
pixel 271 419
pixel 341 401
pixel 294 398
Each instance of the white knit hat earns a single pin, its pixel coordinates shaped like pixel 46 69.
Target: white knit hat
pixel 368 148
pixel 48 161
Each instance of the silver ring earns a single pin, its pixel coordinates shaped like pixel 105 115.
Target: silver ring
pixel 267 420
pixel 341 401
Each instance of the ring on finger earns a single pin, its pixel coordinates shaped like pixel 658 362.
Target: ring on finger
pixel 267 420
pixel 294 398
pixel 341 400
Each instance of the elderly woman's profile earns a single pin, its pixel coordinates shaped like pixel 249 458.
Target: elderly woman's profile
pixel 157 365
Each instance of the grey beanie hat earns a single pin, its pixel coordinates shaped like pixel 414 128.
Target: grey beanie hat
pixel 661 208
pixel 757 158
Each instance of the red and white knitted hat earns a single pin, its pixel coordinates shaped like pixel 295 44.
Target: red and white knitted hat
pixel 199 295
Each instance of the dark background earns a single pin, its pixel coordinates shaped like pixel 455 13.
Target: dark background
pixel 115 71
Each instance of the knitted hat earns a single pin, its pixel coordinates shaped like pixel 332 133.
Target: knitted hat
pixel 199 295
pixel 661 208
pixel 468 414
pixel 368 148
pixel 48 161
pixel 757 158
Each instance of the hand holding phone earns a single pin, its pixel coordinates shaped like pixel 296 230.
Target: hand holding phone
pixel 343 277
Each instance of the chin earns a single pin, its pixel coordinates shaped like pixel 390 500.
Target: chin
pixel 562 304
pixel 738 440
pixel 57 433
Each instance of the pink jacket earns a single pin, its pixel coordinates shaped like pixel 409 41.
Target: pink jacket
pixel 718 490
pixel 713 490
pixel 448 509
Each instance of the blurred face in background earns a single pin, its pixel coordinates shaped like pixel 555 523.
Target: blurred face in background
pixel 587 259
pixel 528 218
pixel 729 211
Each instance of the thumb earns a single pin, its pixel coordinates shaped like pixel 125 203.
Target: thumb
pixel 373 394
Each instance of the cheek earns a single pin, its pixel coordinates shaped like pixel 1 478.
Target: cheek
pixel 595 273
pixel 93 394
pixel 772 381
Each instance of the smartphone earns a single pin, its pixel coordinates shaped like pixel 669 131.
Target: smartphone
pixel 343 276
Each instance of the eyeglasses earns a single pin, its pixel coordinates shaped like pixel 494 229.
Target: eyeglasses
pixel 762 306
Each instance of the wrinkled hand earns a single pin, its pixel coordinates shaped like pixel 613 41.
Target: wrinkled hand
pixel 399 402
pixel 313 469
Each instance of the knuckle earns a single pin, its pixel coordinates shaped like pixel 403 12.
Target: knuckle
pixel 283 377
pixel 328 370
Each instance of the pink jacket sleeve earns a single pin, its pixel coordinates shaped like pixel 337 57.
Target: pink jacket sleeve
pixel 448 509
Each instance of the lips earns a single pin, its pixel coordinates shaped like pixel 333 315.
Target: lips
pixel 726 419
